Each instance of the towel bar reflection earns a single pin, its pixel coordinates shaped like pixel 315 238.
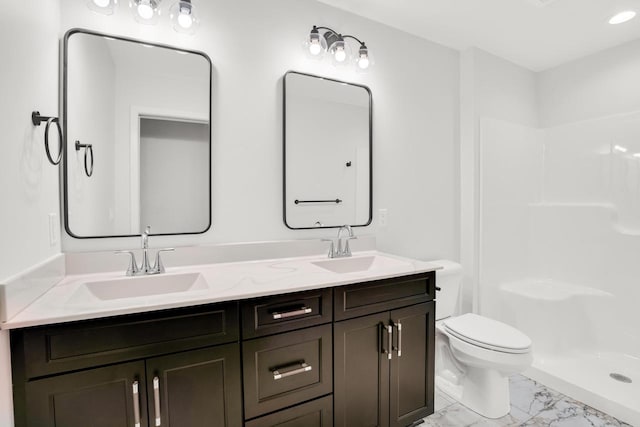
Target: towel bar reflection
pixel 88 148
pixel 36 119
pixel 297 202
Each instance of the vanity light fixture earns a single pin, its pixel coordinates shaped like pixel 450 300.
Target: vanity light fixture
pixel 317 43
pixel 184 18
pixel 622 17
pixel 105 7
pixel 145 11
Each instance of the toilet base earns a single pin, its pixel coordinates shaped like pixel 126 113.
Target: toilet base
pixel 484 391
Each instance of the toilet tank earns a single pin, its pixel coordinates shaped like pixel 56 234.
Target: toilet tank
pixel 449 280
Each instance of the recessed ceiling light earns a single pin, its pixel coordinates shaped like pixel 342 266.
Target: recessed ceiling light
pixel 621 17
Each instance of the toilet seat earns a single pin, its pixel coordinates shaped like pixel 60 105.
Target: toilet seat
pixel 487 333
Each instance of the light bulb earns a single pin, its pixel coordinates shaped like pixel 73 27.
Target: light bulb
pixel 340 54
pixel 145 10
pixel 315 48
pixel 185 20
pixel 363 62
pixel 103 7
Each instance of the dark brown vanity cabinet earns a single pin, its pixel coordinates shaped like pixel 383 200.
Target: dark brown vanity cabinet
pixel 351 356
pixel 290 360
pixel 173 368
pixel 384 360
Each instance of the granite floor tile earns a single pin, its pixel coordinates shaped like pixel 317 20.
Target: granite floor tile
pixel 570 413
pixel 529 396
pixel 453 415
pixel 441 401
pixel 532 404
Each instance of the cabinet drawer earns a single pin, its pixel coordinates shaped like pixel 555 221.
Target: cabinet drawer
pixel 286 369
pixel 381 295
pixel 270 315
pixel 53 349
pixel 317 413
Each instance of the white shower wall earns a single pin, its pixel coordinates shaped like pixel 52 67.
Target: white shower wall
pixel 559 226
pixel 560 205
pixel 559 242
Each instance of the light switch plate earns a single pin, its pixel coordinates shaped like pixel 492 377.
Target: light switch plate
pixel 382 217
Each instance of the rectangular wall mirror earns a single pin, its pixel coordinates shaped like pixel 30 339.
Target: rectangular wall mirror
pixel 327 152
pixel 137 130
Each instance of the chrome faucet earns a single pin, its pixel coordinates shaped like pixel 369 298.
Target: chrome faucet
pixel 343 250
pixel 146 267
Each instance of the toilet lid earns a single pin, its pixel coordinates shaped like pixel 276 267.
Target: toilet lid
pixel 488 333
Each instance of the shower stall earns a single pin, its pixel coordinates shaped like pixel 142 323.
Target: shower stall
pixel 559 251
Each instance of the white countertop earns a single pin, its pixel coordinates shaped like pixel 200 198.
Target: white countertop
pixel 69 300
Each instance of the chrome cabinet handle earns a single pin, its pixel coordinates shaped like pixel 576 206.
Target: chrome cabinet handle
pixel 390 337
pixel 303 368
pixel 156 399
pixel 399 326
pixel 299 312
pixel 136 404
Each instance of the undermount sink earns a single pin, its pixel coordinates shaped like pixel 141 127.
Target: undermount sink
pixel 143 286
pixel 346 265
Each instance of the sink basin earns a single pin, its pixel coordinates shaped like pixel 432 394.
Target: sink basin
pixel 347 265
pixel 143 286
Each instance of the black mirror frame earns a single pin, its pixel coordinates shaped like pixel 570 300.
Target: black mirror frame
pixel 284 150
pixel 65 183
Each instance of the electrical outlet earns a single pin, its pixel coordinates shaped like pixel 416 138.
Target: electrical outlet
pixel 382 217
pixel 54 228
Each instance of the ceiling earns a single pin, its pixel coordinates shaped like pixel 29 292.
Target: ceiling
pixel 536 34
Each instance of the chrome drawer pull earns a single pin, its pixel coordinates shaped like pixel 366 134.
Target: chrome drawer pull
pixel 390 333
pixel 303 368
pixel 399 326
pixel 156 399
pixel 136 404
pixel 300 312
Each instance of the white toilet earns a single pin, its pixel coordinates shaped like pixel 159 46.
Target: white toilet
pixel 475 355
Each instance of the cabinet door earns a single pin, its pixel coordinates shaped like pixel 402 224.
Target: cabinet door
pixel 361 372
pixel 196 388
pixel 412 365
pixel 102 397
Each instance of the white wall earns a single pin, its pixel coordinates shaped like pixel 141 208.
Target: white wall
pixel 28 183
pixel 252 44
pixel 598 85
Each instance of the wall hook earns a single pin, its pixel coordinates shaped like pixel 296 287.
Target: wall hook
pixel 88 148
pixel 348 164
pixel 36 119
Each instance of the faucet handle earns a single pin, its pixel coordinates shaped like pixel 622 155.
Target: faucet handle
pixel 133 269
pixel 332 252
pixel 347 249
pixel 159 267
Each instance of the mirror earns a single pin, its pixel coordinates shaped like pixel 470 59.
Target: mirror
pixel 137 120
pixel 327 152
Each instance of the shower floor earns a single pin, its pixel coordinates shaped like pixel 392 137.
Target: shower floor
pixel 586 377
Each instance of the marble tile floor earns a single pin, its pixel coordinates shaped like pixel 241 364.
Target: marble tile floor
pixel 532 404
